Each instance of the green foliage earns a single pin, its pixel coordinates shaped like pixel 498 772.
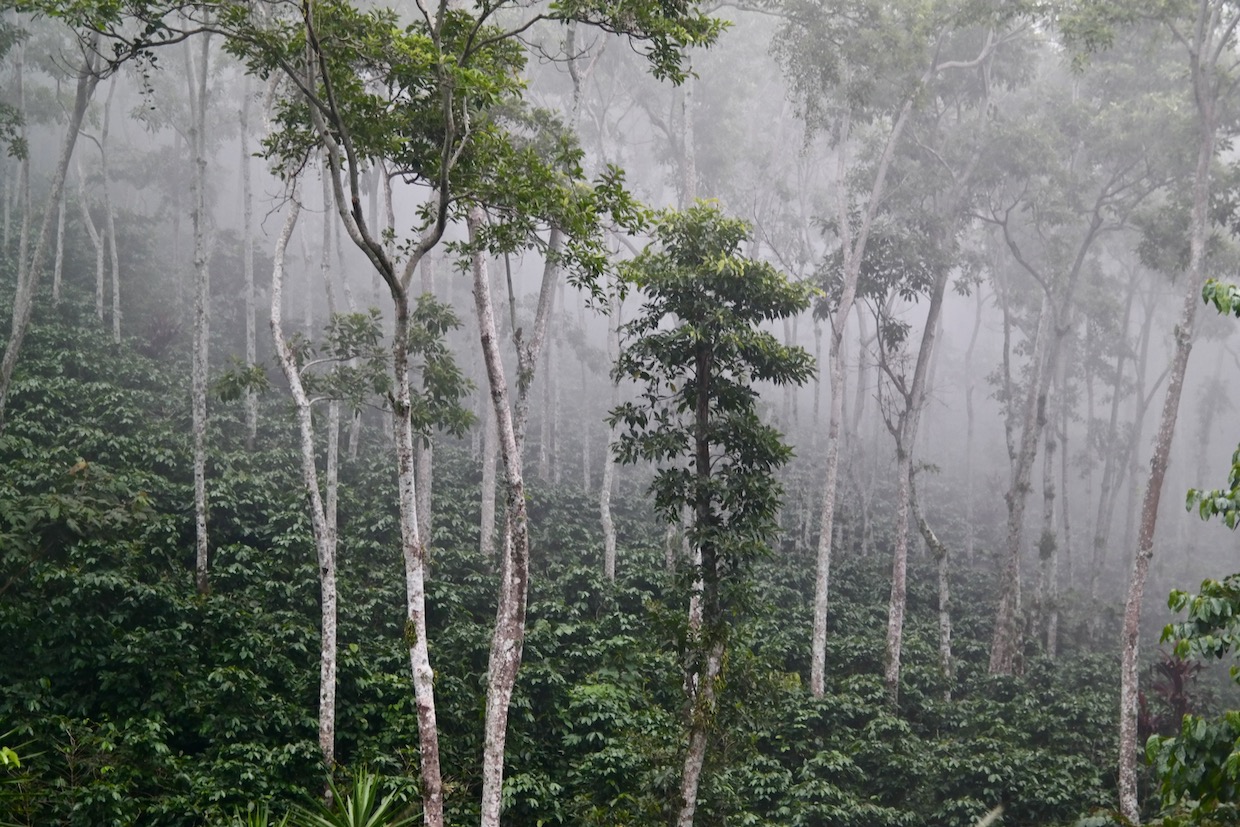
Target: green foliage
pixel 256 815
pixel 1224 296
pixel 438 404
pixel 1199 769
pixel 359 806
pixel 133 700
pixel 699 378
pixel 11 126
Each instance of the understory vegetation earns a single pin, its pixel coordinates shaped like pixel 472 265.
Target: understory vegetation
pixel 132 699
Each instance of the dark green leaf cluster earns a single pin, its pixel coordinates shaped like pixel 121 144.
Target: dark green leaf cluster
pixel 438 405
pixel 699 352
pixel 1199 769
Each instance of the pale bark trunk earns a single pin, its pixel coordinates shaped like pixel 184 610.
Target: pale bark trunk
pixel 58 267
pixel 1128 746
pixel 509 634
pixel 1062 550
pixel 6 207
pixel 609 456
pixel 23 170
pixel 202 303
pixel 414 553
pixel 899 580
pixel 425 447
pixel 109 217
pixel 688 167
pixel 1048 338
pixel 817 383
pixel 702 710
pixel 247 255
pixel 1203 54
pixel 322 515
pixel 486 528
pixel 705 645
pixel 96 240
pixel 906 431
pixel 854 252
pixel 546 437
pixel 942 557
pixel 1005 641
pixel 1114 458
pixel 1048 543
pixel 413 550
pixel 970 532
pixel 328 595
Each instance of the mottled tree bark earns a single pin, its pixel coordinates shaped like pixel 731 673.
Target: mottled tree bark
pixel 197 76
pixel 509 634
pixel 322 515
pixel 609 455
pixel 58 266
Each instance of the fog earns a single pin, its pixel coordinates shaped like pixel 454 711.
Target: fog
pixel 1046 188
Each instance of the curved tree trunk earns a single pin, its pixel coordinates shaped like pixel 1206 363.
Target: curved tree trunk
pixel 23 302
pixel 906 431
pixel 509 634
pixel 1206 88
pixel 322 516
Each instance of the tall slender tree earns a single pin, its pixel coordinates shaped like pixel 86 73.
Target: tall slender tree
pixel 697 417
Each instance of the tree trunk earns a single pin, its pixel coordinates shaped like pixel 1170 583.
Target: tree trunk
pixel 58 267
pixel 23 169
pixel 109 217
pixel 202 301
pixel 1114 456
pixel 705 645
pixel 96 240
pixel 899 577
pixel 247 255
pixel 854 248
pixel 486 528
pixel 425 447
pixel 509 634
pixel 1128 746
pixel 1005 641
pixel 1206 88
pixel 906 430
pixel 322 516
pixel 609 456
pixel 942 556
pixel 414 553
pixel 970 532
pixel 1048 543
pixel 1063 550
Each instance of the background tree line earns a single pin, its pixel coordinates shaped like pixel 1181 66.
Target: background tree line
pixel 445 215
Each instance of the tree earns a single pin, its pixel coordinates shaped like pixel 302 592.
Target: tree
pixel 1206 32
pixel 1060 181
pixel 698 418
pixel 1198 769
pixel 30 268
pixel 882 61
pixel 438 104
